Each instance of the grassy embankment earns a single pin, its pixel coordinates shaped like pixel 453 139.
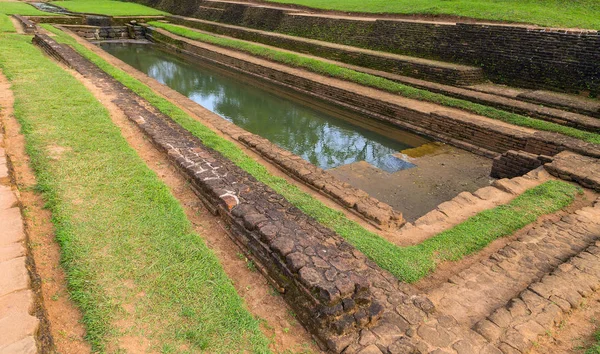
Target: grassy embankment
pixel 336 71
pixel 108 7
pixel 552 13
pixel 407 263
pixel 18 8
pixel 130 254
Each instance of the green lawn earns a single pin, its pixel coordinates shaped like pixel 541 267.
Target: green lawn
pixel 406 263
pixel 324 68
pixel 20 8
pixel 130 254
pixel 552 13
pixel 108 7
pixel 6 24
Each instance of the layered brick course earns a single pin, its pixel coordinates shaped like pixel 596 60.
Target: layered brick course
pixel 367 61
pixel 104 33
pixel 378 213
pixel 420 68
pixel 520 55
pixel 516 163
pixel 28 26
pixel 477 135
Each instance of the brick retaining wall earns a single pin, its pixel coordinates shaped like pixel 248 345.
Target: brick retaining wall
pixel 480 137
pixel 527 56
pixel 516 163
pixel 414 67
pixel 102 33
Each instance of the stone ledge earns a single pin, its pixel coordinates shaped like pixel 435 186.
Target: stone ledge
pixel 453 74
pixel 574 167
pixel 356 200
pixel 28 26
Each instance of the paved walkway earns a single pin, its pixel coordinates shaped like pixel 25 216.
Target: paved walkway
pixel 17 327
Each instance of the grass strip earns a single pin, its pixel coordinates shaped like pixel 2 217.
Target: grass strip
pixel 130 254
pixel 406 263
pixel 332 70
pixel 108 7
pixel 6 24
pixel 553 13
pixel 21 8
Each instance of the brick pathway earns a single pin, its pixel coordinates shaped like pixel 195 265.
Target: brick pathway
pixel 17 327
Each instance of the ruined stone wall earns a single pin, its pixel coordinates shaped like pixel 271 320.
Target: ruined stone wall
pixel 516 163
pixel 517 55
pixel 104 33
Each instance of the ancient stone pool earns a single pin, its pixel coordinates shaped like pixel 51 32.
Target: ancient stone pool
pixel 327 138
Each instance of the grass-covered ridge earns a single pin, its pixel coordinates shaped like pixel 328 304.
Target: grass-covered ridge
pixel 552 13
pixel 125 240
pixel 332 70
pixel 406 263
pixel 108 7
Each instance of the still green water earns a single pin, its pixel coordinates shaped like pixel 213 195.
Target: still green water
pixel 327 138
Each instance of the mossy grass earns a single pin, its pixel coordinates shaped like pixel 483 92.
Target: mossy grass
pixel 406 263
pixel 108 7
pixel 336 71
pixel 130 254
pixel 553 13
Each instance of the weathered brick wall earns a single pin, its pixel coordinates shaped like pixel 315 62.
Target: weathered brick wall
pixel 99 33
pixel 517 55
pixel 516 163
pixel 477 136
pixel 28 25
pixel 425 69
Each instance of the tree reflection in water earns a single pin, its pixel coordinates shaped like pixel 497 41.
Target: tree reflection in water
pixel 316 136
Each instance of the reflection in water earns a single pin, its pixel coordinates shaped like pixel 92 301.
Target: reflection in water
pixel 316 136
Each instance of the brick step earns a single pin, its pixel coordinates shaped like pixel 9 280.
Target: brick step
pixel 516 326
pixel 466 205
pixel 567 102
pixel 473 294
pixel 284 42
pixel 437 71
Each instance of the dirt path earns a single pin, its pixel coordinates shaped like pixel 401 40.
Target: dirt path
pixel 260 298
pixel 65 327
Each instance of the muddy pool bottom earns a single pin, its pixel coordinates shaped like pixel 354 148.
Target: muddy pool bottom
pixel 367 154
